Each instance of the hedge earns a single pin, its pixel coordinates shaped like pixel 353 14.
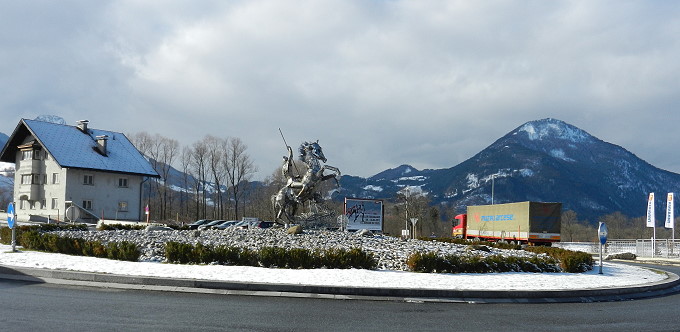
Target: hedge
pixel 570 261
pixel 432 262
pixel 6 232
pixel 31 237
pixel 294 258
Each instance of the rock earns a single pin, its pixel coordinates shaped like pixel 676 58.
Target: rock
pixel 297 229
pixel 623 255
pixel 478 247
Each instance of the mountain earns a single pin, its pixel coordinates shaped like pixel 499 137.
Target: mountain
pixel 544 160
pixel 3 140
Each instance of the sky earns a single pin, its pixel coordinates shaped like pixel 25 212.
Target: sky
pixel 378 83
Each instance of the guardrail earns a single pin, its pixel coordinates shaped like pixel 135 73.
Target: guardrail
pixel 641 247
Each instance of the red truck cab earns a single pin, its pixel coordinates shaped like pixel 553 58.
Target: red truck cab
pixel 459 225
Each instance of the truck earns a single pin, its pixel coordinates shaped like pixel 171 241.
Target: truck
pixel 534 223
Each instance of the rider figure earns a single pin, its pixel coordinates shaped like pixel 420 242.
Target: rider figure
pixel 293 182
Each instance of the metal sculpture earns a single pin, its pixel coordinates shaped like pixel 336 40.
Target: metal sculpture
pixel 301 189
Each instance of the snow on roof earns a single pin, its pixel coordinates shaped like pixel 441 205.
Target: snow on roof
pixel 73 148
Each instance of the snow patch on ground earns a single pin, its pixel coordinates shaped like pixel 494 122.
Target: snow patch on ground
pixel 615 275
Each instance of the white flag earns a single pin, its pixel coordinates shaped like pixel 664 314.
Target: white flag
pixel 651 218
pixel 670 212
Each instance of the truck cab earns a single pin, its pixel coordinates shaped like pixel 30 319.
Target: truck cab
pixel 459 224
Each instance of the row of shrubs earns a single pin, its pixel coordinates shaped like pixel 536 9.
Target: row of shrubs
pixel 120 227
pixel 570 261
pixel 294 258
pixel 6 233
pixel 432 262
pixel 31 237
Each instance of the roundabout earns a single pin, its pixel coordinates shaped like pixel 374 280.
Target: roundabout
pixel 618 282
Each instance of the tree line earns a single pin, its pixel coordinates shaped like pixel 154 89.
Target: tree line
pixel 213 179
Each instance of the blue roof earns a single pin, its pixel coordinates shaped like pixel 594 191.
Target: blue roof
pixel 73 148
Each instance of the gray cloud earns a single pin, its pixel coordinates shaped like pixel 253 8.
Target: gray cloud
pixel 428 83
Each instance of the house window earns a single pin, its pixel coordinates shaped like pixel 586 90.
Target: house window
pixel 32 204
pixel 44 179
pixel 55 178
pixel 55 204
pixel 87 205
pixel 22 204
pixel 123 182
pixel 88 180
pixel 30 178
pixel 43 204
pixel 26 154
pixel 122 206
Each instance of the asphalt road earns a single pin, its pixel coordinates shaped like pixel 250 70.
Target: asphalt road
pixel 44 307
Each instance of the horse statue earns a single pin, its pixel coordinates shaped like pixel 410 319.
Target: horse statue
pixel 301 189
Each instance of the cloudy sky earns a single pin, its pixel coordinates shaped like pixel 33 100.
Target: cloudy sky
pixel 378 83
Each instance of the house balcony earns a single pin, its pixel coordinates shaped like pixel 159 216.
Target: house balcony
pixel 32 192
pixel 33 164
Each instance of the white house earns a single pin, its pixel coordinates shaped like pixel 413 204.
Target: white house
pixel 56 166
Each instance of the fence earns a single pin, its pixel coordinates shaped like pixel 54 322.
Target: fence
pixel 641 248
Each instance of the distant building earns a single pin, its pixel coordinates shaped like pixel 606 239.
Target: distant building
pixel 56 166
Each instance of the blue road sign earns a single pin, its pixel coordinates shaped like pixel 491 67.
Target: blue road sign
pixel 10 215
pixel 602 232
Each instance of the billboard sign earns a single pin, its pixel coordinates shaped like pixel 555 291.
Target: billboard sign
pixel 364 214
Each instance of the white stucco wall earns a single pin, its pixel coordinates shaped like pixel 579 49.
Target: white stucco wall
pixel 105 193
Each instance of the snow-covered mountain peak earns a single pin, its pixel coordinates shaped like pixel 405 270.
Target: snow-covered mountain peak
pixel 553 129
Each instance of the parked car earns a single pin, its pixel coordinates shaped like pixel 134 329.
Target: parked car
pixel 212 224
pixel 254 224
pixel 226 224
pixel 197 223
pixel 265 224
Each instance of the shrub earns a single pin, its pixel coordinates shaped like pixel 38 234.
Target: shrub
pixel 570 261
pixel 202 254
pixel 122 251
pixel 336 258
pixel 119 227
pixel 94 249
pixel 273 257
pixel 301 259
pixel 176 252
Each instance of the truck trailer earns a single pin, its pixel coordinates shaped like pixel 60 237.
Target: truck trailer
pixel 523 222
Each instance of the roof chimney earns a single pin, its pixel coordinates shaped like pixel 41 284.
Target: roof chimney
pixel 101 144
pixel 82 125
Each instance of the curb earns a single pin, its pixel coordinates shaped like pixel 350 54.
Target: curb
pixel 667 286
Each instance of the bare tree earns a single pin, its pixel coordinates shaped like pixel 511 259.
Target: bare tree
pixel 216 148
pixel 239 168
pixel 199 165
pixel 185 162
pixel 569 222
